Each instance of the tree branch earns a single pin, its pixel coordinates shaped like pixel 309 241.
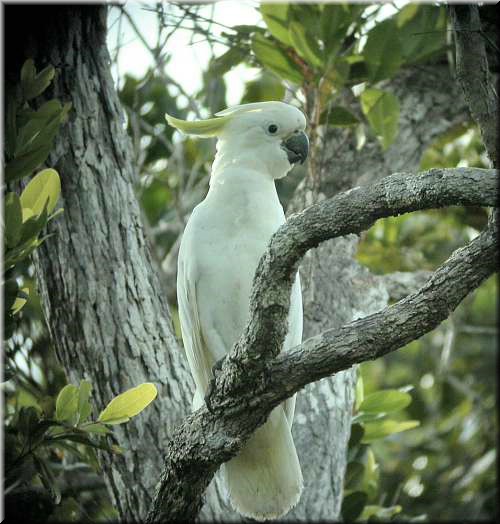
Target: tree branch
pixel 255 378
pixel 473 74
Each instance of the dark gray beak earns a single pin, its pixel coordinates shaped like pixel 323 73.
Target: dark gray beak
pixel 296 147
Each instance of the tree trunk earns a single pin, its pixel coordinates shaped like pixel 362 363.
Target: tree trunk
pixel 103 301
pixel 107 315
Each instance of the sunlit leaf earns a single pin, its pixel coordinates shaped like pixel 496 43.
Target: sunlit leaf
pixel 385 401
pixel 384 428
pixel 128 404
pixel 275 59
pixel 20 301
pixel 45 186
pixel 382 111
pixel 67 403
pixel 305 44
pixel 276 17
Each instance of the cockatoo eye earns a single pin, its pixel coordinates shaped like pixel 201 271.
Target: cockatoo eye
pixel 272 129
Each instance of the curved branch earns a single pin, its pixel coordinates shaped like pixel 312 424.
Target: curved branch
pixel 251 382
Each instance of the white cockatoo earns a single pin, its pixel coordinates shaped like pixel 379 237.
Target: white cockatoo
pixel 224 239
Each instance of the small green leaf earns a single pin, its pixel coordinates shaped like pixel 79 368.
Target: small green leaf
pixel 357 433
pixel 25 164
pixel 276 18
pixel 47 478
pixel 352 505
pixel 227 61
pixel 20 301
pixel 96 427
pixel 339 117
pixel 46 185
pixel 382 514
pixel 335 21
pixel 27 420
pixel 13 219
pixel 353 475
pixel 386 401
pixel 382 111
pixel 382 51
pixel 84 407
pixel 28 73
pixel 67 404
pixel 128 404
pixel 305 44
pixel 384 428
pixel 275 59
pixel 40 83
pixel 33 226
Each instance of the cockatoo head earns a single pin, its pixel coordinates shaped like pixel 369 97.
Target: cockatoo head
pixel 263 135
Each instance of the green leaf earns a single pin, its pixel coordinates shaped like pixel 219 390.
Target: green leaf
pixel 382 51
pixel 27 420
pixel 305 44
pixel 33 226
pixel 28 73
pixel 386 401
pixel 13 219
pixel 335 21
pixel 367 417
pixel 46 185
pixel 339 117
pixel 264 88
pixel 276 18
pixel 25 164
pixel 96 427
pixel 67 404
pixel 10 290
pixel 406 14
pixel 382 111
pixel 352 505
pixel 13 256
pixel 383 514
pixel 40 83
pixel 353 475
pixel 357 433
pixel 10 125
pixel 275 59
pixel 84 407
pixel 128 404
pixel 20 301
pixel 384 428
pixel 47 478
pixel 227 61
pixel 423 34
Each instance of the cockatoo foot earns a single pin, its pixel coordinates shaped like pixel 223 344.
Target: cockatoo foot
pixel 211 385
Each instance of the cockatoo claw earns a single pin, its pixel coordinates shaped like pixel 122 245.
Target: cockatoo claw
pixel 211 385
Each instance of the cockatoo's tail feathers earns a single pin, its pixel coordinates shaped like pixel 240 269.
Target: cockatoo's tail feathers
pixel 203 128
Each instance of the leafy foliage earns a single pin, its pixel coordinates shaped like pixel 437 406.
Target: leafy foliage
pixel 41 430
